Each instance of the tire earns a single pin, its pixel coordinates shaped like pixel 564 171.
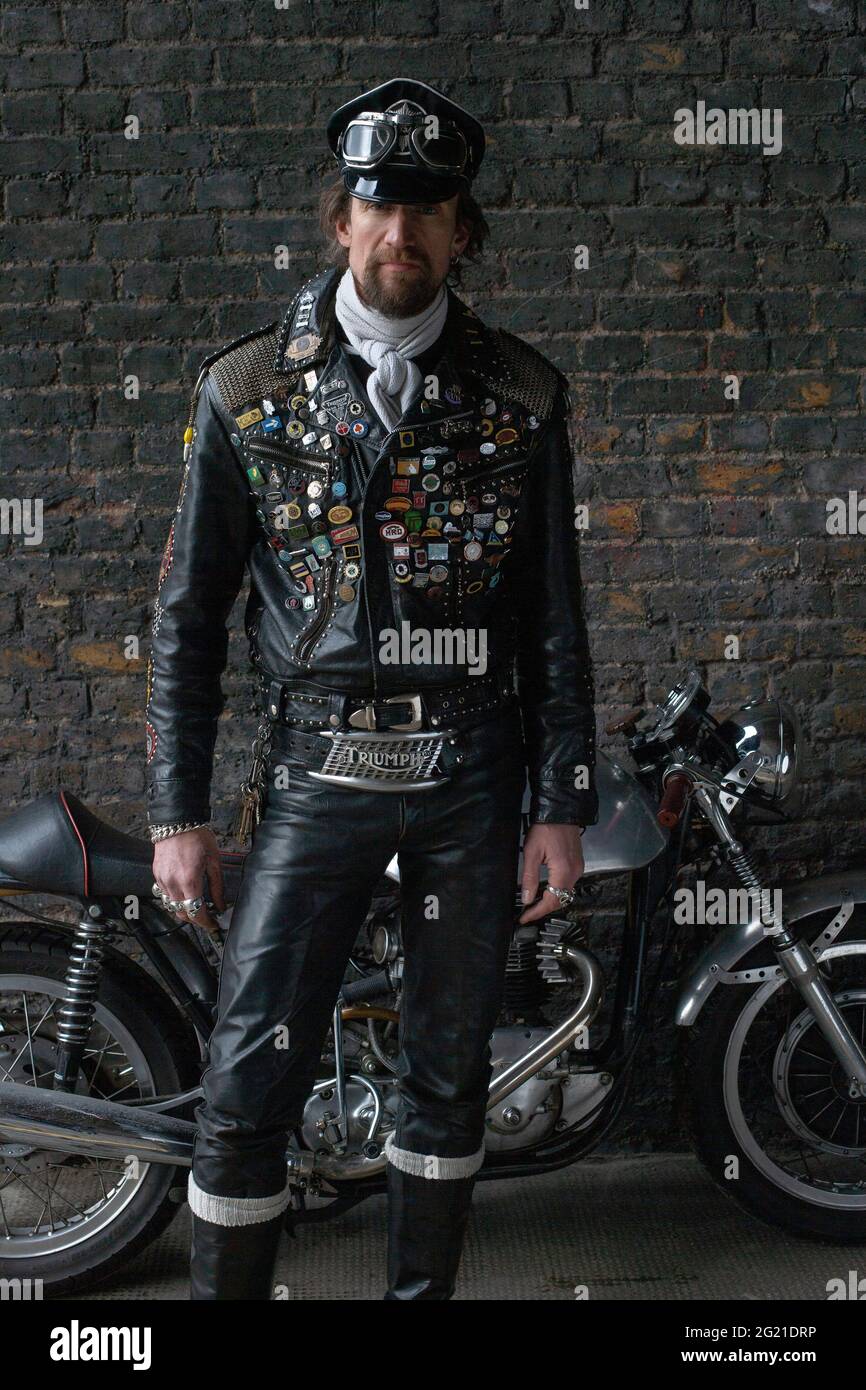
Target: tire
pixel 167 1060
pixel 717 1098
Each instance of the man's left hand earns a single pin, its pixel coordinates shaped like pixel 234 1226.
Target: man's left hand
pixel 559 847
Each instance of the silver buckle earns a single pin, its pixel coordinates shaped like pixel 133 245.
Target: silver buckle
pixel 365 718
pixel 383 762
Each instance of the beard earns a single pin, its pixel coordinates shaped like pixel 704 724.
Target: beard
pixel 395 295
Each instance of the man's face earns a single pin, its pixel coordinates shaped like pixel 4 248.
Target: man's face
pixel 400 253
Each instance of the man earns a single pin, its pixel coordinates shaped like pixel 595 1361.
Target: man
pixel 392 473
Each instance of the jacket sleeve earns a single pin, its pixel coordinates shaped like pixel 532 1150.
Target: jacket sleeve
pixel 555 680
pixel 200 577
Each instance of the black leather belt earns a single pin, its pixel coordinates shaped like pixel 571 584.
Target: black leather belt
pixel 441 706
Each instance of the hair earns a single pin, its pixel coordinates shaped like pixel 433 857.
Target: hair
pixel 334 203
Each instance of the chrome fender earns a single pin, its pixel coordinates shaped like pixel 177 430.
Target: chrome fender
pixel 799 900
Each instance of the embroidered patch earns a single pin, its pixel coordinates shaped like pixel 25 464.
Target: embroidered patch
pixel 151 740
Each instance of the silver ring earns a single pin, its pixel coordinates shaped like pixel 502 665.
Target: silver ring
pixel 566 896
pixel 166 900
pixel 192 906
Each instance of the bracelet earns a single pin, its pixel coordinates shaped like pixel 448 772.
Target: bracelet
pixel 162 832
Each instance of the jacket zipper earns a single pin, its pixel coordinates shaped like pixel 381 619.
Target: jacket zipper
pixel 282 454
pixel 466 479
pixel 456 595
pixel 255 654
pixel 311 634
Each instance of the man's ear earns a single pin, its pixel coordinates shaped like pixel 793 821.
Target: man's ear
pixel 460 240
pixel 343 227
pixel 342 230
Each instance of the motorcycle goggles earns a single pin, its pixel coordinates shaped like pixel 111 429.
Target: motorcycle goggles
pixel 371 139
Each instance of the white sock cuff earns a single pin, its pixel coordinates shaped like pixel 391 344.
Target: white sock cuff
pixel 236 1211
pixel 431 1165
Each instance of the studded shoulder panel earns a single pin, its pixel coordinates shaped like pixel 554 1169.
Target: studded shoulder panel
pixel 246 371
pixel 529 377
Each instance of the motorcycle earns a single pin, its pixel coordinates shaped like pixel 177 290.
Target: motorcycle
pixel 102 1049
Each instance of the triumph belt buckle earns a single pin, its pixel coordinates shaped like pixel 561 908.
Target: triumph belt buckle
pixel 403 758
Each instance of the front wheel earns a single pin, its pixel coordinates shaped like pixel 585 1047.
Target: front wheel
pixel 769 1109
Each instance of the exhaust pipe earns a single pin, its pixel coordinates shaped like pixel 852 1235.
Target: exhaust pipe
pixel 73 1124
pixel 575 960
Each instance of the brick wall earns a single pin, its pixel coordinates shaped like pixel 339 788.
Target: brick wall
pixel 128 258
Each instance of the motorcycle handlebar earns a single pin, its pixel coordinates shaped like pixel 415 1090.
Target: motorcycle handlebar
pixel 673 800
pixel 362 991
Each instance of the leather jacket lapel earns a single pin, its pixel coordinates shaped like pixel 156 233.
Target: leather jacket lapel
pixel 308 336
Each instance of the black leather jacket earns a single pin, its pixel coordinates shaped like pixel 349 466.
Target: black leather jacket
pixel 461 518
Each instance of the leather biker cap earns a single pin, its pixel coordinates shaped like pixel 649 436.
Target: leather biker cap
pixel 405 142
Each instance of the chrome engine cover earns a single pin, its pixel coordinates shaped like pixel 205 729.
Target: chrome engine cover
pixel 530 1113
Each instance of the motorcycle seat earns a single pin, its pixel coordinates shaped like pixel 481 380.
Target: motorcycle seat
pixel 56 844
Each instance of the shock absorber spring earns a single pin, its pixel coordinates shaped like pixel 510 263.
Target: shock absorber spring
pixel 81 990
pixel 741 861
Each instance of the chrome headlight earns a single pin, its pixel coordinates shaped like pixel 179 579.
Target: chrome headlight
pixel 772 729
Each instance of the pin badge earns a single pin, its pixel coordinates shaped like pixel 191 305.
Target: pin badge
pixel 251 417
pixel 302 347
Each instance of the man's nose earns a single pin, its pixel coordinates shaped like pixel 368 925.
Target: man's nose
pixel 399 229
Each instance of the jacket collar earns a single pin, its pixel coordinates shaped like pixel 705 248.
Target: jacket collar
pixel 308 333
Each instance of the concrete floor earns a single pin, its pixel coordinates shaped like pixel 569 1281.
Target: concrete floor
pixel 641 1228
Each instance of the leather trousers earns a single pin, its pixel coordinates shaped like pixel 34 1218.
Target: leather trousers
pixel 317 856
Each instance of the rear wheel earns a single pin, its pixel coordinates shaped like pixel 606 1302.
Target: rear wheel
pixel 73 1221
pixel 770 1111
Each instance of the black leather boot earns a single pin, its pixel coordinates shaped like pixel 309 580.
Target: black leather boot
pixel 427 1220
pixel 234 1262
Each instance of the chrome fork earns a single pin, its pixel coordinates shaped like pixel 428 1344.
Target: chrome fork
pixel 796 958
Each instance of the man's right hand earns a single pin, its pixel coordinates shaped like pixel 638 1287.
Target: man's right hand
pixel 179 866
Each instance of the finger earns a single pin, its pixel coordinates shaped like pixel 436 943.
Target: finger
pixel 546 904
pixel 204 919
pixel 529 880
pixel 215 879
